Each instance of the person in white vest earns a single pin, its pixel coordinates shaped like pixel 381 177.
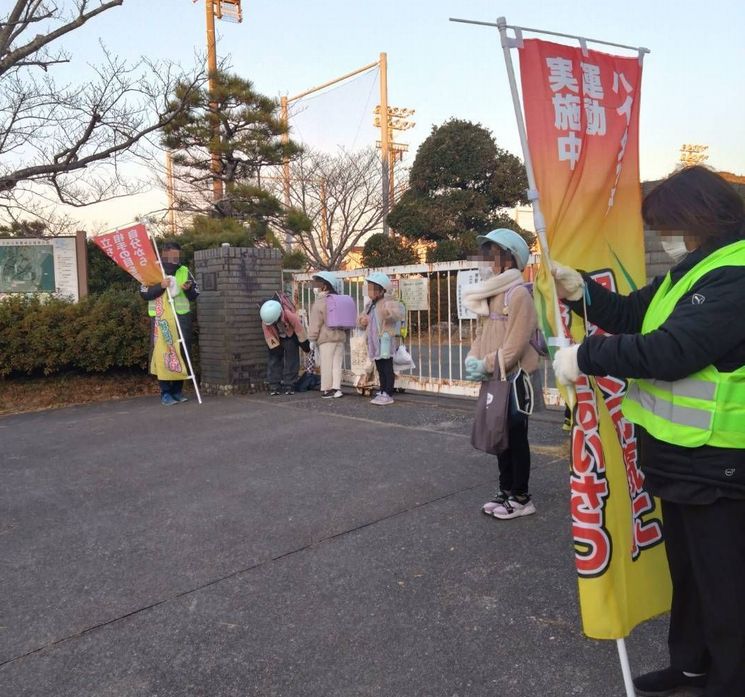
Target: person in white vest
pixel 680 341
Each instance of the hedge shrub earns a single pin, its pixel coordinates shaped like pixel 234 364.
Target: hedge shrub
pixel 101 332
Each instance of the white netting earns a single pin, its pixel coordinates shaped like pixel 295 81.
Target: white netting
pixel 340 116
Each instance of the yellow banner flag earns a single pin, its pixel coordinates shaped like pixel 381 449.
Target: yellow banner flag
pixel 581 112
pixel 166 362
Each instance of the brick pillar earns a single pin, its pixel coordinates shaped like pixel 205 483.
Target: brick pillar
pixel 233 282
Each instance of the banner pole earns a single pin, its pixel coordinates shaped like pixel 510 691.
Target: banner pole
pixel 559 341
pixel 540 223
pixel 625 668
pixel 175 316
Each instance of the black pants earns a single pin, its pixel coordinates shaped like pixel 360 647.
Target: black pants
pixel 514 463
pixel 174 387
pixel 386 375
pixel 706 553
pixel 283 364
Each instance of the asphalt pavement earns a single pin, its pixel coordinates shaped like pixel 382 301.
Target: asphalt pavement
pixel 287 547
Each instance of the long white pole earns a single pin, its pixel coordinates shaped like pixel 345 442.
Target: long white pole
pixel 175 317
pixel 540 224
pixel 625 668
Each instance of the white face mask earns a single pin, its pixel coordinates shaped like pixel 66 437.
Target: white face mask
pixel 486 269
pixel 674 246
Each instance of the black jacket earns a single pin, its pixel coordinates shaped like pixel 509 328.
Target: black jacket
pixel 702 330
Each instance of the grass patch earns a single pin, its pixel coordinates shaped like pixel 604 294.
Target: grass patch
pixel 24 394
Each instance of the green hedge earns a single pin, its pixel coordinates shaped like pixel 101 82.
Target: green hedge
pixel 104 331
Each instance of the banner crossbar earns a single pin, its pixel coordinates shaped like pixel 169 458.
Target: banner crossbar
pixel 639 49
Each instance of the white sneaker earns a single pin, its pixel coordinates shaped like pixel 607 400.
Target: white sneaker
pixel 381 400
pixel 512 508
pixel 337 394
pixel 499 498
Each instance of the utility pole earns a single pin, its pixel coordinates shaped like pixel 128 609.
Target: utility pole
pixel 229 10
pixel 389 119
pixel 285 116
pixel 170 192
pixel 385 138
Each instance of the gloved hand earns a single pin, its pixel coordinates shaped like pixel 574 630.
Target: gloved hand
pixel 314 346
pixel 476 369
pixel 565 364
pixel 569 283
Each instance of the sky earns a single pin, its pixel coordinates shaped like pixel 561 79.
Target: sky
pixel 692 87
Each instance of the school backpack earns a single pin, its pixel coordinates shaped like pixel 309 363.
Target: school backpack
pixel 341 311
pixel 537 339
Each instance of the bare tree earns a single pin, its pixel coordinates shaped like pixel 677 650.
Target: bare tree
pixel 69 143
pixel 342 196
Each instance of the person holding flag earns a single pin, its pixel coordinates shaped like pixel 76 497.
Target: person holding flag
pixel 681 344
pixel 180 285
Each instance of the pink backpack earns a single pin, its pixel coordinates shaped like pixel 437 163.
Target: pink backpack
pixel 341 312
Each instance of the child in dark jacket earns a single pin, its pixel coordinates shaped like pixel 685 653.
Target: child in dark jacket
pixel 284 334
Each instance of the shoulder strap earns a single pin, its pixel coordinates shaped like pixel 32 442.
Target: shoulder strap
pixel 508 294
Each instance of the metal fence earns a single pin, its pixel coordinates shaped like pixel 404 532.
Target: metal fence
pixel 439 330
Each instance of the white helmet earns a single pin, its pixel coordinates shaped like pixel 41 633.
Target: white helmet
pixel 270 312
pixel 330 277
pixel 380 279
pixel 511 241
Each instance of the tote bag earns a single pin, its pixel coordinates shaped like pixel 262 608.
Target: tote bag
pixel 490 431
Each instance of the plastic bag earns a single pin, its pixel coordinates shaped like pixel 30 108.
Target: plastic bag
pixel 402 359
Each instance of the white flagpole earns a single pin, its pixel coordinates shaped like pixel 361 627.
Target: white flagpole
pixel 625 668
pixel 175 317
pixel 540 223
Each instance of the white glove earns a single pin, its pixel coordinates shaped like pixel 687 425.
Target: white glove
pixel 313 346
pixel 173 288
pixel 569 283
pixel 565 365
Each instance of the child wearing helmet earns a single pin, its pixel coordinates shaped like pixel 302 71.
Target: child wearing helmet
pixel 382 321
pixel 507 323
pixel 330 341
pixel 284 333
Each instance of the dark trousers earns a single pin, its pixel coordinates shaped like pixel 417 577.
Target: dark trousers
pixel 514 463
pixel 283 364
pixel 386 375
pixel 706 553
pixel 174 387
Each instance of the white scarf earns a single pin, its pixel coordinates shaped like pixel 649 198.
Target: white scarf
pixel 476 296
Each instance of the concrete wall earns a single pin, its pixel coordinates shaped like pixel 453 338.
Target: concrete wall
pixel 233 283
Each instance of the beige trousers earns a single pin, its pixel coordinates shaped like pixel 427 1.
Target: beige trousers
pixel 332 356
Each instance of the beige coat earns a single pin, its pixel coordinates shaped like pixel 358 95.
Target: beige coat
pixel 511 331
pixel 318 331
pixel 388 313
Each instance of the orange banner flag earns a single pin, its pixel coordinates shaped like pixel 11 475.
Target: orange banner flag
pixel 581 113
pixel 132 250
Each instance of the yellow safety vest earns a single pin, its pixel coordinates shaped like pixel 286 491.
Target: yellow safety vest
pixel 706 408
pixel 180 301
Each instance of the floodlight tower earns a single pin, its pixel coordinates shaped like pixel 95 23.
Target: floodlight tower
pixel 229 10
pixel 691 155
pixel 389 119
